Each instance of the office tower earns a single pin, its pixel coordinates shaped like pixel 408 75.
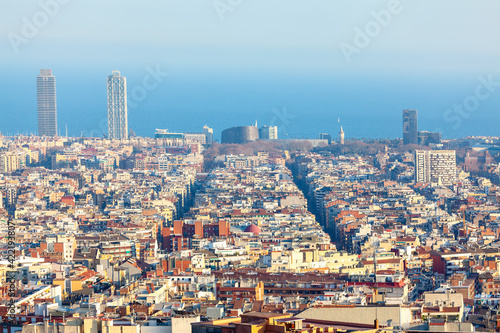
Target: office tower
pixel 325 136
pixel 341 136
pixel 268 133
pixel 435 167
pixel 117 106
pixel 240 134
pixel 410 126
pixel 1 200
pixel 209 135
pixel 46 102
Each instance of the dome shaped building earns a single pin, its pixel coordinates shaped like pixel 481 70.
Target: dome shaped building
pixel 253 229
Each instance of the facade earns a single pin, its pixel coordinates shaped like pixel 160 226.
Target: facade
pixel 240 134
pixel 443 304
pixel 410 127
pixel 237 290
pixel 426 138
pixel 268 133
pixel 179 236
pixel 11 196
pixel 449 262
pixel 165 134
pixel 195 137
pixel 46 102
pixel 9 162
pixel 395 315
pixel 118 249
pixel 209 135
pixel 435 166
pixel 117 106
pixel 285 323
pixel 341 136
pixel 180 139
pixel 325 136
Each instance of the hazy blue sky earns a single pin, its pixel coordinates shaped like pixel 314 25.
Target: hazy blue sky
pixel 262 50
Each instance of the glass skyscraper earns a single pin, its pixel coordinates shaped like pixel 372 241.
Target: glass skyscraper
pixel 46 102
pixel 117 106
pixel 410 127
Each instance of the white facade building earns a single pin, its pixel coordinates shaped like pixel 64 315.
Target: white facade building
pixel 435 167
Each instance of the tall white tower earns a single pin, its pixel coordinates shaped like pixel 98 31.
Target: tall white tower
pixel 117 106
pixel 341 136
pixel 46 102
pixel 209 134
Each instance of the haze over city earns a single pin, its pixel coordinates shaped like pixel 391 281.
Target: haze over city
pixel 234 65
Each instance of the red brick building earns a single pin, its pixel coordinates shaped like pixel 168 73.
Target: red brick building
pixel 179 236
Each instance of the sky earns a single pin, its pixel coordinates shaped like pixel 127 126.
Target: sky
pixel 297 64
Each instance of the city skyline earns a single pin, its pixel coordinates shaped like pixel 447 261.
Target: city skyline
pixel 249 166
pixel 288 121
pixel 223 66
pixel 118 116
pixel 241 166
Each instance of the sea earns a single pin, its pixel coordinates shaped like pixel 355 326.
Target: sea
pixel 302 105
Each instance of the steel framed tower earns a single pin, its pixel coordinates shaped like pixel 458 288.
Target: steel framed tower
pixel 117 106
